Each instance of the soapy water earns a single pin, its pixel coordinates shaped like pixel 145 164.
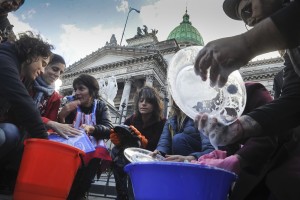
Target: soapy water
pixel 194 96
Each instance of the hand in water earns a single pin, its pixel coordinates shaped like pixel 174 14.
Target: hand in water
pixel 179 158
pixel 64 130
pixel 155 153
pixel 230 163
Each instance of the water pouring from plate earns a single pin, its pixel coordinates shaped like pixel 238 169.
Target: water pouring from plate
pixel 194 96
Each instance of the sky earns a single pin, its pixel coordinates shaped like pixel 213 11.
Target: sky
pixel 77 28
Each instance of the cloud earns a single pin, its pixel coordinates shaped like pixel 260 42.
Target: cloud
pixel 76 43
pixel 123 6
pixel 29 14
pixel 19 26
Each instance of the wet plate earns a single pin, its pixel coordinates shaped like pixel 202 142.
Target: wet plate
pixel 192 95
pixel 140 155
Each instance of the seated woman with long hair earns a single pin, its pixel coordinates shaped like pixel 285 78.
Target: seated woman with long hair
pixel 147 122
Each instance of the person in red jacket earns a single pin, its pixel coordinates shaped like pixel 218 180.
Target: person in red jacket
pixel 48 100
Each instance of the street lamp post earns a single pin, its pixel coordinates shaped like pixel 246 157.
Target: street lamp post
pixel 130 9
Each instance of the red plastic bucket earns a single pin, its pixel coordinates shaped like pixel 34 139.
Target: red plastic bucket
pixel 47 170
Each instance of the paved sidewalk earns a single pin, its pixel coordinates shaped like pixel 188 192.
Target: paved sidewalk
pixel 102 189
pixel 9 197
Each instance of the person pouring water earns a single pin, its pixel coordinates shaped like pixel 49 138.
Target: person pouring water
pixel 276 26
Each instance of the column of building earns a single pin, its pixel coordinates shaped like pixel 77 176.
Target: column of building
pixel 125 98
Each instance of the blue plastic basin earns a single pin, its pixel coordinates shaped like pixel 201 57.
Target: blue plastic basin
pixel 175 180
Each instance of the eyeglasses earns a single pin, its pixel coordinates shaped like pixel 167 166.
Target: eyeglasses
pixel 246 12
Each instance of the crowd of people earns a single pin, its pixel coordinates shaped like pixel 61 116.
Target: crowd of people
pixel 262 146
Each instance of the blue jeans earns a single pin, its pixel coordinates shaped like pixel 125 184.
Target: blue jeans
pixel 185 144
pixel 9 138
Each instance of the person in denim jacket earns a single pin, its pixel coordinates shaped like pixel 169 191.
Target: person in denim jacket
pixel 180 139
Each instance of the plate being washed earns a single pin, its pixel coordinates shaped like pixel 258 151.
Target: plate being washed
pixel 140 155
pixel 192 95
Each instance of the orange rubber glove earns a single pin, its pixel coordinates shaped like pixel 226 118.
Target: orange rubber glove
pixel 114 138
pixel 142 138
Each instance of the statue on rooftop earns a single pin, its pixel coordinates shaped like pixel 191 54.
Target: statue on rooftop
pixel 139 32
pixel 6 28
pixel 112 42
pixel 154 31
pixel 145 30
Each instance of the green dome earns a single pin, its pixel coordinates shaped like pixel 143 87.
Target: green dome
pixel 186 33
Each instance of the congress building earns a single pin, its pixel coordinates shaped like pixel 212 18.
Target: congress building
pixel 122 70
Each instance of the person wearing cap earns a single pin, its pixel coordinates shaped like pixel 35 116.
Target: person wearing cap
pixel 6 28
pixel 276 26
pixel 254 159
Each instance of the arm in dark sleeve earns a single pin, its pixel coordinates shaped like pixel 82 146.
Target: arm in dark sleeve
pixel 287 20
pixel 26 113
pixel 283 113
pixel 165 140
pixel 102 129
pixel 256 152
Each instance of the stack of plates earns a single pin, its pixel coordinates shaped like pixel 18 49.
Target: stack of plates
pixel 141 155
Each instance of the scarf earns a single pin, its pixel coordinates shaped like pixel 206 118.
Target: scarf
pixel 42 89
pixel 88 119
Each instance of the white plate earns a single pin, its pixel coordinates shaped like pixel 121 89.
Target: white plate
pixel 140 155
pixel 192 95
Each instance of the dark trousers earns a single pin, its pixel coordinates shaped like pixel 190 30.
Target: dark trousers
pixel 83 179
pixel 185 144
pixel 11 150
pixel 10 137
pixel 278 180
pixel 123 182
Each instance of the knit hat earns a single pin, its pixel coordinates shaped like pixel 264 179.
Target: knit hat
pixel 230 8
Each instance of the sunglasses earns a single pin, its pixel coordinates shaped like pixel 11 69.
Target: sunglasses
pixel 246 12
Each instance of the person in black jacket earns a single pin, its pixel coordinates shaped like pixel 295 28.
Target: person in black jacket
pixel 91 114
pixel 276 27
pixel 23 60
